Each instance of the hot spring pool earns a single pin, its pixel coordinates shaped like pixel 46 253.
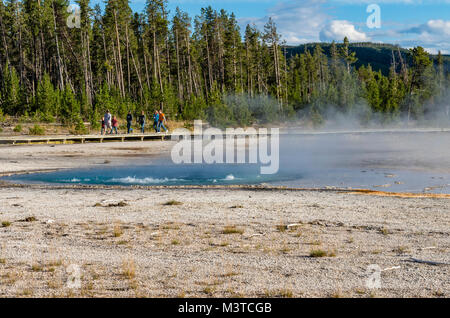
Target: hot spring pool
pixel 157 174
pixel 394 162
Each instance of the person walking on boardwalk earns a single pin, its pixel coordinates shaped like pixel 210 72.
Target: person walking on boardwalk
pixel 115 125
pixel 156 121
pixel 108 119
pixel 162 120
pixel 129 122
pixel 103 131
pixel 141 121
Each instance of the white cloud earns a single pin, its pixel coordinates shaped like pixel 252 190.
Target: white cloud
pixel 337 30
pixel 433 27
pixel 434 35
pixel 311 21
pixel 298 21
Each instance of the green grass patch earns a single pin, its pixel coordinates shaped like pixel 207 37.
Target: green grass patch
pixel 232 230
pixel 173 202
pixel 318 253
pixel 36 130
pixel 6 224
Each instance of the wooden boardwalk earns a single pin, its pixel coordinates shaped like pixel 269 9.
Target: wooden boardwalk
pixel 70 139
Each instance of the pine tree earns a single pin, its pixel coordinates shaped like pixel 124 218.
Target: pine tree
pixel 420 87
pixel 46 99
pixel 157 31
pixel 84 45
pixel 349 57
pixel 252 62
pixel 373 91
pixel 11 101
pixel 272 38
pixel 70 108
pixel 218 114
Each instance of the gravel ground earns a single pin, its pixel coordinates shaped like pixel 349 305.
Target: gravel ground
pixel 210 242
pixel 15 159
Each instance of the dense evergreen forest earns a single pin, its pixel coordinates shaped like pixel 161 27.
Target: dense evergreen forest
pixel 378 55
pixel 198 67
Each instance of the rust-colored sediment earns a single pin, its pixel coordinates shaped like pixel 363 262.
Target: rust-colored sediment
pixel 400 195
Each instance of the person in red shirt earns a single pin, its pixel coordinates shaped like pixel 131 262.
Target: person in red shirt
pixel 115 125
pixel 103 131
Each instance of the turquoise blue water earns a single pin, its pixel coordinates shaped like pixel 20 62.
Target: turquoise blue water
pixel 394 180
pixel 156 174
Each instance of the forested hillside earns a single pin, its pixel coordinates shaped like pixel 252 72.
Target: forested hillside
pixel 377 55
pixel 198 67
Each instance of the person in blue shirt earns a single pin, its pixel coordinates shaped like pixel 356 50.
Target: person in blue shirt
pixel 156 121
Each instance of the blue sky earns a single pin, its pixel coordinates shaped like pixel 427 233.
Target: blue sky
pixel 405 22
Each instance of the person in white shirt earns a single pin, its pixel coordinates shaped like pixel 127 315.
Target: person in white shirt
pixel 108 119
